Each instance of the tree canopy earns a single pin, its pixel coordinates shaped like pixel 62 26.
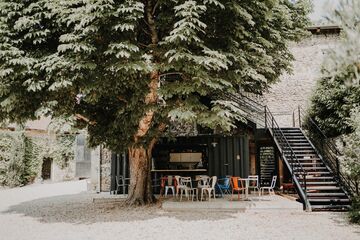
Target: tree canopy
pixel 338 91
pixel 94 58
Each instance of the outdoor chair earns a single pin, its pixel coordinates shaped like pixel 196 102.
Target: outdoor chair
pixel 254 179
pixel 236 187
pixel 270 188
pixel 167 183
pixel 209 189
pixel 178 186
pixel 186 188
pixel 121 183
pixel 223 184
pixel 203 181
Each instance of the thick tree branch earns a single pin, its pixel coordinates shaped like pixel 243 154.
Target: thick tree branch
pixel 85 119
pixel 151 22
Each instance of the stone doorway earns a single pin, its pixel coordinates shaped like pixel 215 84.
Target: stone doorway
pixel 46 169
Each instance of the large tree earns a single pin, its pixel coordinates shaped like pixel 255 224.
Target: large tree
pixel 110 62
pixel 338 90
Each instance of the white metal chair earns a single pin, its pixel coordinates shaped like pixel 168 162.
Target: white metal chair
pixel 186 188
pixel 178 185
pixel 270 188
pixel 203 181
pixel 170 185
pixel 210 189
pixel 254 179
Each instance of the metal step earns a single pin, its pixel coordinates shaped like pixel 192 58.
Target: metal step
pixel 319 183
pixel 310 168
pixel 317 173
pixel 307 164
pixel 338 194
pixel 329 200
pixel 323 188
pixel 295 147
pixel 330 207
pixel 301 151
pixel 319 178
pixel 304 144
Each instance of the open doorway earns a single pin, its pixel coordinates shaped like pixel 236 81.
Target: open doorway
pixel 46 169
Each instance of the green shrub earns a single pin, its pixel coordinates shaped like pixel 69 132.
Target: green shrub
pixel 12 152
pixel 354 213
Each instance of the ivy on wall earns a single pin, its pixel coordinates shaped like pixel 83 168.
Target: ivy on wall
pixel 12 155
pixel 21 156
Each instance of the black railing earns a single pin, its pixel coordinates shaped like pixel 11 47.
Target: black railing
pixel 264 118
pixel 254 111
pixel 325 148
pixel 288 155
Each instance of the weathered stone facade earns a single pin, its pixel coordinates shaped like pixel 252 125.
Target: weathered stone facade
pixel 59 174
pixel 100 170
pixel 105 167
pixel 297 88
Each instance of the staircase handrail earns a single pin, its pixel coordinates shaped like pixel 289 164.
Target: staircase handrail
pixel 271 124
pixel 329 152
pixel 251 107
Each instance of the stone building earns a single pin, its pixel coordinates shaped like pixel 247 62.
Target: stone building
pixel 41 146
pixel 296 89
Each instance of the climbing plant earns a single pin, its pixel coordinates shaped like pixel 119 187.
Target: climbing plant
pixel 21 156
pixel 62 149
pixel 12 154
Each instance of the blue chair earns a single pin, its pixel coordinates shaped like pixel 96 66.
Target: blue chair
pixel 224 186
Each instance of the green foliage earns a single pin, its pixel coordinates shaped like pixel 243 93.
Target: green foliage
pixel 354 213
pixel 34 154
pixel 338 91
pixel 62 149
pixel 21 156
pixel 94 58
pixel 12 154
pixel 352 150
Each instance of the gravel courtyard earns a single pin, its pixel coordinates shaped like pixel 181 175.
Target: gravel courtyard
pixel 65 211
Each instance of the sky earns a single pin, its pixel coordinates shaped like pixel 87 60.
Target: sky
pixel 322 8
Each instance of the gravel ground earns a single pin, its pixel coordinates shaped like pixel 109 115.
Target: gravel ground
pixel 65 211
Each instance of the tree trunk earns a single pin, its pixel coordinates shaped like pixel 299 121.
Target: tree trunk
pixel 140 192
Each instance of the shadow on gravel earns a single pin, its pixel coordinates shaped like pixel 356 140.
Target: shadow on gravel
pixel 80 209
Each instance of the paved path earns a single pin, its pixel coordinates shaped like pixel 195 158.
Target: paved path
pixel 64 211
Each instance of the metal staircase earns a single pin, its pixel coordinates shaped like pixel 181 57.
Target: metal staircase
pixel 323 191
pixel 316 177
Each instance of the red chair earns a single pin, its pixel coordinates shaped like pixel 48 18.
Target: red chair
pixel 235 186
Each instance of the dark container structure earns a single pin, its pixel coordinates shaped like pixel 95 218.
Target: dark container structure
pixel 221 156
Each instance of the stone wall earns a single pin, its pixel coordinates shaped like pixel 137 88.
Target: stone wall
pixel 297 88
pixel 105 170
pixel 100 170
pixel 59 174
